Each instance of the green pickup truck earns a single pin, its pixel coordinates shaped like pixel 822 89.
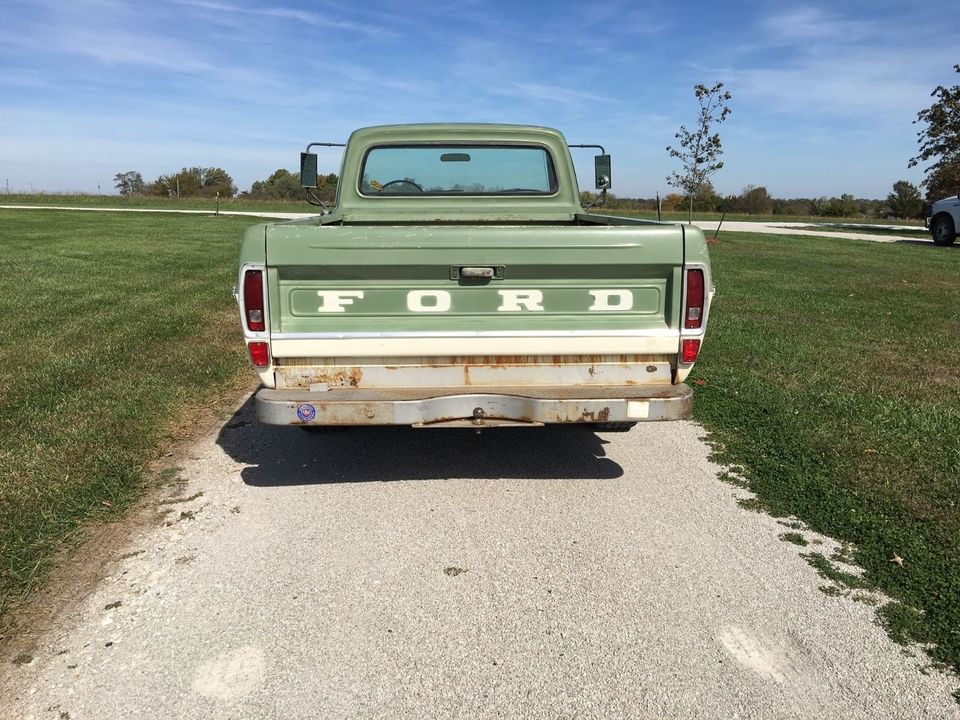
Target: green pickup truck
pixel 458 282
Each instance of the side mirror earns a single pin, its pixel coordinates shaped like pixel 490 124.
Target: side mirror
pixel 601 166
pixel 308 170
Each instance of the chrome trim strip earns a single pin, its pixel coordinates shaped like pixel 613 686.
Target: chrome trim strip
pixel 665 332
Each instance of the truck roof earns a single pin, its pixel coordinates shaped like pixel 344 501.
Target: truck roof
pixel 445 131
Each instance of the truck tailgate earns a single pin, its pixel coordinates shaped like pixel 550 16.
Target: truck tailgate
pixel 402 290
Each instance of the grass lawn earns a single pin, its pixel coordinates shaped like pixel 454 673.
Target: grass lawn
pixel 115 324
pixel 831 377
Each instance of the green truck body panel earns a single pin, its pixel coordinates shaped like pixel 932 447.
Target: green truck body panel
pixel 405 266
pixel 376 260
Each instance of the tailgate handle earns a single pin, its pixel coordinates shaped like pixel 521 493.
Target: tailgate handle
pixel 472 272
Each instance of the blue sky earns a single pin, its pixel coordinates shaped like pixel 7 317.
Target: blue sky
pixel 823 94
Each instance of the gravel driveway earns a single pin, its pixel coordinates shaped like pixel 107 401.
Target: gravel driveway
pixel 414 573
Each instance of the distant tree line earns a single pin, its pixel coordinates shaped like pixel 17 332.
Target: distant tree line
pixel 904 202
pixel 208 182
pixel 189 182
pixel 285 185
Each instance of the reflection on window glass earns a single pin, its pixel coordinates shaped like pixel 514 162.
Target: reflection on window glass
pixel 458 170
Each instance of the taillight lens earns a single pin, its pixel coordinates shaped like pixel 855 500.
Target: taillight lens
pixel 693 312
pixel 259 354
pixel 689 349
pixel 253 300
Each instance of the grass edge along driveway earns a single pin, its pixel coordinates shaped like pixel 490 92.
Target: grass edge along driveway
pixel 122 324
pixel 830 382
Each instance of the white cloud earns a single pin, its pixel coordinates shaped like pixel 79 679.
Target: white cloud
pixel 807 24
pixel 814 63
pixel 550 93
pixel 304 16
pixel 879 85
pixel 115 47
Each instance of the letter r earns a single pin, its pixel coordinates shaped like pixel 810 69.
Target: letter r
pixel 517 300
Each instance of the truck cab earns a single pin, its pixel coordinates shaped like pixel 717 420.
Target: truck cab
pixel 458 282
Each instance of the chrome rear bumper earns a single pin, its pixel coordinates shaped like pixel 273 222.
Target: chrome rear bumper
pixel 453 407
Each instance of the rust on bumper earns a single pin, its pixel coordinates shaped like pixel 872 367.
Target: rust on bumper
pixel 453 407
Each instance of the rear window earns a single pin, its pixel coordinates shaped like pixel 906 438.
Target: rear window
pixel 458 170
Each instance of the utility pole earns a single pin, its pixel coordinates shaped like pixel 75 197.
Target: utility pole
pixel 178 188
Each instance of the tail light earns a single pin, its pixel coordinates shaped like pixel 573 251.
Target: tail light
pixel 253 300
pixel 693 312
pixel 259 354
pixel 689 349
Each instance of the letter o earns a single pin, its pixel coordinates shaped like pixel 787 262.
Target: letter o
pixel 428 301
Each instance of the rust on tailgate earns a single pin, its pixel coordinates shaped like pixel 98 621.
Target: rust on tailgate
pixel 473 371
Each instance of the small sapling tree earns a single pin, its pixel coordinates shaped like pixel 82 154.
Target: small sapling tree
pixel 699 150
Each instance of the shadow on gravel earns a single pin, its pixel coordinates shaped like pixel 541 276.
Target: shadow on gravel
pixel 288 456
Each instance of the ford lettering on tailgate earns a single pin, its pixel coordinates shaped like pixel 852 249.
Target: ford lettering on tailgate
pixel 466 301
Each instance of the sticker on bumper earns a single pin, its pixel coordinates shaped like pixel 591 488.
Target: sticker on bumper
pixel 306 412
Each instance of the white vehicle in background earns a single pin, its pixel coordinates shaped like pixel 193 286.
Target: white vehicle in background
pixel 944 220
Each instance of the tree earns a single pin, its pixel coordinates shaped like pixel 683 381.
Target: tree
pixel 281 185
pixel 194 182
pixel 159 187
pixel 940 139
pixel 285 185
pixel 327 187
pixel 755 200
pixel 700 150
pixel 707 199
pixel 844 206
pixel 216 181
pixel 905 201
pixel 942 182
pixel 186 183
pixel 129 183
